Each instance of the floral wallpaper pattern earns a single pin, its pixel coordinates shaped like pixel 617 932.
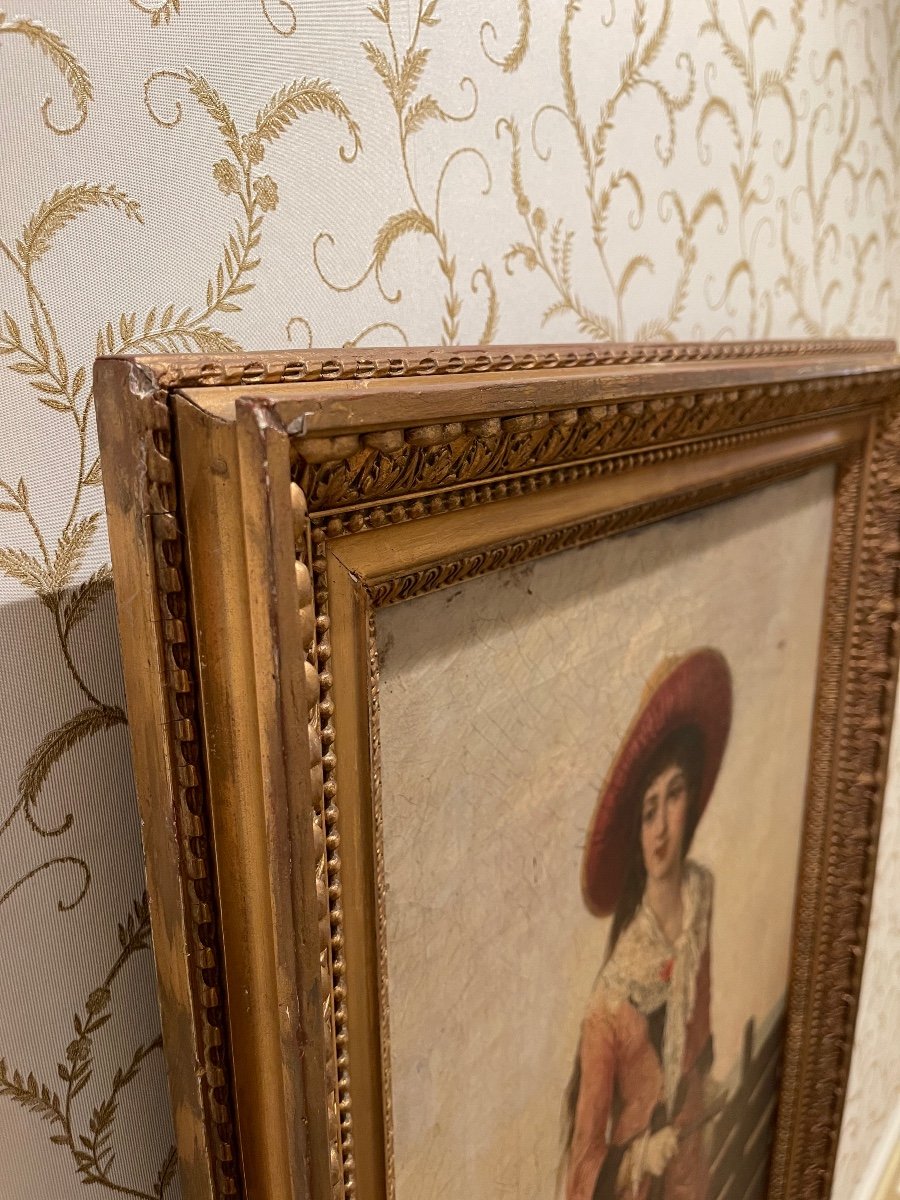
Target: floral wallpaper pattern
pixel 183 175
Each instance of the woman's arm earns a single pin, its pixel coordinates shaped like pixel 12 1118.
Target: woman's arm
pixel 589 1147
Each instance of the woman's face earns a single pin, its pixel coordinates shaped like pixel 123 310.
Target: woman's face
pixel 663 821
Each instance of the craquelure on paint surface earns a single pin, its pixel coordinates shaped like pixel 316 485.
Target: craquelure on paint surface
pixel 491 952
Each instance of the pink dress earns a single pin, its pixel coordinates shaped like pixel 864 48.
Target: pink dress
pixel 644 1057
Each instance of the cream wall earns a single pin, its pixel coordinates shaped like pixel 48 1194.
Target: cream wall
pixel 430 171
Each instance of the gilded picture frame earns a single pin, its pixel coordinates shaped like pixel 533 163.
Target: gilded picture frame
pixel 263 509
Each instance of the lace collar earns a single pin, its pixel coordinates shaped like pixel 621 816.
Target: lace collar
pixel 648 970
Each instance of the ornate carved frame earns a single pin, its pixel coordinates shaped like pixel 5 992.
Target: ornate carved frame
pixel 261 509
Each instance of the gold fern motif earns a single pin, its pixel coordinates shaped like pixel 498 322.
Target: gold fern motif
pixel 237 175
pixel 549 243
pixel 761 87
pixel 88 1139
pixel 281 15
pixel 53 567
pixel 825 288
pixel 514 57
pixel 159 14
pixel 400 69
pixel 55 49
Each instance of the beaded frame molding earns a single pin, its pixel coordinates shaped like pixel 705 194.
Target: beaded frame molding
pixel 262 508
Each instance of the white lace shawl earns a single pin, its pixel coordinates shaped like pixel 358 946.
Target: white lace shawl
pixel 639 969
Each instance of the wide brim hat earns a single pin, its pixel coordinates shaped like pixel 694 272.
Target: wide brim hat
pixel 693 690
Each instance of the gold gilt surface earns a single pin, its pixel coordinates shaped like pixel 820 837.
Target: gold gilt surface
pixel 371 175
pixel 271 952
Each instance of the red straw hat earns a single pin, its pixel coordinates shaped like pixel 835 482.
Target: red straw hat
pixel 693 690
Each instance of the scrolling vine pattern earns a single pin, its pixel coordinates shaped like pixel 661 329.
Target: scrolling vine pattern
pixel 281 15
pixel 760 86
pixel 62 57
pixel 92 1152
pixel 550 245
pixel 882 86
pixel 514 57
pixel 400 69
pixel 52 566
pixel 836 259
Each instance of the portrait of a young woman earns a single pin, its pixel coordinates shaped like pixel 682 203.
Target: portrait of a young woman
pixel 642 1094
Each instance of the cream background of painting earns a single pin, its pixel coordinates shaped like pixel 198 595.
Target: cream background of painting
pixel 836 64
pixel 486 799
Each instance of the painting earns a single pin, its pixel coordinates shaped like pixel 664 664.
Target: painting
pixel 592 848
pixel 642 1092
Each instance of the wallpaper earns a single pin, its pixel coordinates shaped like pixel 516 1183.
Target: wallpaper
pixel 190 175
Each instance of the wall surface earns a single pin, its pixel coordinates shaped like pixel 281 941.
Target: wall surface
pixel 191 175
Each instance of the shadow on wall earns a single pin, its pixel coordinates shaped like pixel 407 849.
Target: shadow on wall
pixel 82 1081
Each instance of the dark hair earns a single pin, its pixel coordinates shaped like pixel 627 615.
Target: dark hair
pixel 683 748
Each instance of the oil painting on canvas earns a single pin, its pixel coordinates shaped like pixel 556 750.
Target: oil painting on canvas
pixel 591 845
pixel 641 1095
